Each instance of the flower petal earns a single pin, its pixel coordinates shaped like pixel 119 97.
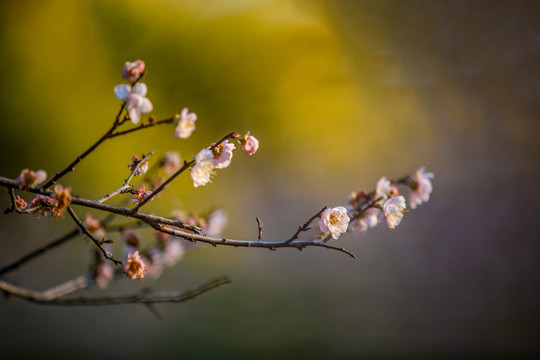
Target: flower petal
pixel 140 88
pixel 146 106
pixel 135 115
pixel 122 91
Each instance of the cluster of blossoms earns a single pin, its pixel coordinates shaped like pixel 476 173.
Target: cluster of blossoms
pixel 141 166
pixel 219 157
pixel 365 211
pixel 135 94
pixel 43 205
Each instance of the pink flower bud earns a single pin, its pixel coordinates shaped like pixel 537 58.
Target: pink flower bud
pixel 250 144
pixel 133 70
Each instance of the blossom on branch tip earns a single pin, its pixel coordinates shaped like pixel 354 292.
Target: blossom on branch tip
pixel 334 221
pixel 28 179
pixel 143 168
pixel 421 187
pixel 133 70
pixel 136 100
pixel 63 200
pixel 250 144
pixel 203 170
pixel 393 210
pixel 185 125
pixel 135 267
pixel 223 154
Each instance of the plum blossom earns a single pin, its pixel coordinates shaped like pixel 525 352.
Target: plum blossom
pixel 42 205
pixel 369 219
pixel 142 169
pixel 393 210
pixel 186 124
pixel 104 273
pixel 141 194
pixel 216 223
pixel 334 221
pixel 420 188
pixel 28 179
pixel 133 70
pixel 135 267
pixel 63 200
pixel 223 154
pixel 250 144
pixel 171 162
pixel 94 226
pixel 203 170
pixel 383 188
pixel 20 204
pixel 136 100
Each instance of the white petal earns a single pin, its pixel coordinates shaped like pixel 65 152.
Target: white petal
pixel 140 88
pixel 122 91
pixel 146 106
pixel 135 115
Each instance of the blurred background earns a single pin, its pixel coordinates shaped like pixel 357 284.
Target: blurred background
pixel 339 93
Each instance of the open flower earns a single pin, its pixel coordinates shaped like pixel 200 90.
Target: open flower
pixel 250 144
pixel 383 188
pixel 223 154
pixel 186 124
pixel 369 219
pixel 133 70
pixel 203 170
pixel 136 100
pixel 142 169
pixel 141 194
pixel 334 221
pixel 421 187
pixel 135 267
pixel 393 210
pixel 28 179
pixel 63 200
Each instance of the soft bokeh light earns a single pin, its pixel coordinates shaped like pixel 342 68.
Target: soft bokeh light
pixel 339 93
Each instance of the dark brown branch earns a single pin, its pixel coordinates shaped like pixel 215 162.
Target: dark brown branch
pixel 306 226
pixel 143 126
pixel 39 251
pixel 260 228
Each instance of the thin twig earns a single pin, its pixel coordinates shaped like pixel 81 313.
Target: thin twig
pixel 40 251
pixel 143 126
pixel 181 170
pixel 273 245
pixel 305 226
pixel 98 243
pixel 260 228
pixel 126 184
pixel 48 295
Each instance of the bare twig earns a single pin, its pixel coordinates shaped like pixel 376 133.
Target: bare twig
pixel 273 245
pixel 127 181
pixel 39 251
pixel 306 226
pixel 98 243
pixel 260 228
pixel 48 295
pixel 181 170
pixel 51 297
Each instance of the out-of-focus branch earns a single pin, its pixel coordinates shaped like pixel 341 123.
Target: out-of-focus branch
pixel 51 297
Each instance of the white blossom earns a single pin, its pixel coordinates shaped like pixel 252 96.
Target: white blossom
pixel 224 156
pixel 202 171
pixel 369 219
pixel 216 223
pixel 422 188
pixel 393 210
pixel 334 221
pixel 383 188
pixel 186 124
pixel 136 100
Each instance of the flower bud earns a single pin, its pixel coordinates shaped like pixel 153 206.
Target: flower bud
pixel 133 70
